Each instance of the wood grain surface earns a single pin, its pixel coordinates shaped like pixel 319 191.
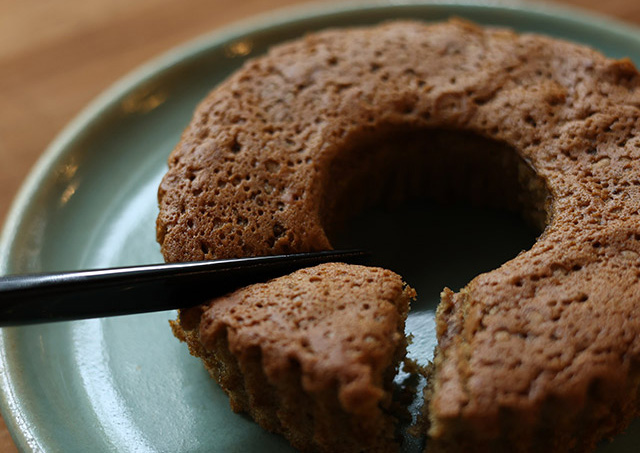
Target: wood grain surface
pixel 55 56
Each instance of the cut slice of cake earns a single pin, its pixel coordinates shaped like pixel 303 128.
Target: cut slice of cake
pixel 311 356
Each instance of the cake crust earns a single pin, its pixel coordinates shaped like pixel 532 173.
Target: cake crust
pixel 541 353
pixel 311 355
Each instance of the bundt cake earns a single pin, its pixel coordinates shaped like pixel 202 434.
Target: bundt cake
pixel 541 354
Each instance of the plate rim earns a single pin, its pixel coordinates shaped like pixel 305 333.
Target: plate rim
pixel 109 99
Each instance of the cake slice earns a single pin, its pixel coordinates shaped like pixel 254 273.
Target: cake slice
pixel 311 356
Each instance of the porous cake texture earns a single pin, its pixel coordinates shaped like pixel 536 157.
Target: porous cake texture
pixel 540 354
pixel 311 355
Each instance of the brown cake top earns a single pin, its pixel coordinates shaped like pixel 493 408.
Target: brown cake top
pixel 256 171
pixel 342 324
pixel 282 151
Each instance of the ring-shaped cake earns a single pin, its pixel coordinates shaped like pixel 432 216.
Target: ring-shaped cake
pixel 540 354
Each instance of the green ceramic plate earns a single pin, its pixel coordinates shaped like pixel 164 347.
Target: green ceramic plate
pixel 125 384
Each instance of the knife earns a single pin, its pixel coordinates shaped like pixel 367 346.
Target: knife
pixel 38 298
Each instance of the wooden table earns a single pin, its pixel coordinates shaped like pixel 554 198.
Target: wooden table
pixel 57 56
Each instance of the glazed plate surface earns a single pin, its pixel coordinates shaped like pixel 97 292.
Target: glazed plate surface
pixel 124 383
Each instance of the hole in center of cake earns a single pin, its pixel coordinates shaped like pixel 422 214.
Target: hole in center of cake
pixel 438 207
